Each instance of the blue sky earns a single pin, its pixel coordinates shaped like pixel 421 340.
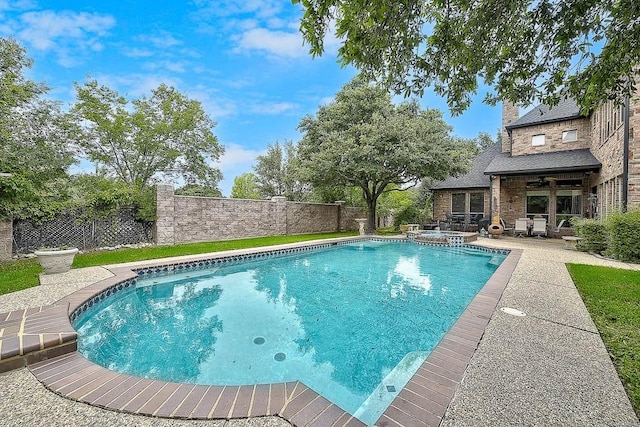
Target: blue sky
pixel 243 60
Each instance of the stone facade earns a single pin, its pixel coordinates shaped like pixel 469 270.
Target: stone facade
pixel 522 137
pixel 510 114
pixel 187 219
pixel 6 239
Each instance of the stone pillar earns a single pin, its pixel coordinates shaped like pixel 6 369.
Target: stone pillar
pixel 341 206
pixel 6 239
pixel 165 213
pixel 510 113
pixel 495 196
pixel 280 215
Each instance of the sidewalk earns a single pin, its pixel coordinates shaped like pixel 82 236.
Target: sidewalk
pixel 549 368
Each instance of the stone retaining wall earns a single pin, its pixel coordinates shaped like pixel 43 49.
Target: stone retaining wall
pixel 187 219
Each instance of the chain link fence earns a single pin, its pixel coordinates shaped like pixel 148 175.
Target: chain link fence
pixel 72 229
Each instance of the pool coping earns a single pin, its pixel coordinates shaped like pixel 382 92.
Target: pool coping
pixel 423 401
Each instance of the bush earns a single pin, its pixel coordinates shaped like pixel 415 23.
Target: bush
pixel 624 235
pixel 408 215
pixel 593 234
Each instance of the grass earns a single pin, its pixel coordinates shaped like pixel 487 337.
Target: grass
pixel 18 275
pixel 612 297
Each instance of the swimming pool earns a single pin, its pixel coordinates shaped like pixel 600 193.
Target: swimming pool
pixel 352 321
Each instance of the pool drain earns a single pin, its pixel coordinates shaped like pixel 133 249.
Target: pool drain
pixel 279 357
pixel 259 341
pixel 391 389
pixel 512 311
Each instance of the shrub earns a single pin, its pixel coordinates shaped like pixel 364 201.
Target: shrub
pixel 593 234
pixel 624 235
pixel 408 215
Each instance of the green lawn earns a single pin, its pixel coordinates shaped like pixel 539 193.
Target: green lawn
pixel 17 275
pixel 612 297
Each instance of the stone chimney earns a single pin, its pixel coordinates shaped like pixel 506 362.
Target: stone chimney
pixel 510 113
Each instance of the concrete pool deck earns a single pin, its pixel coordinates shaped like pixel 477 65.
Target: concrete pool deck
pixel 547 368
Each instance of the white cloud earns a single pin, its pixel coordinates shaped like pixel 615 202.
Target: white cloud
pixel 16 5
pixel 273 108
pixel 235 161
pixel 225 8
pixel 162 40
pixel 46 30
pixel 136 52
pixel 274 43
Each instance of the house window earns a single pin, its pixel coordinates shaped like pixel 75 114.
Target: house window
pixel 538 204
pixel 537 140
pixel 570 135
pixel 476 204
pixel 568 204
pixel 457 203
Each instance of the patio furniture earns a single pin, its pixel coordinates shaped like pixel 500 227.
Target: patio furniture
pixel 521 228
pixel 507 230
pixel 571 242
pixel 539 227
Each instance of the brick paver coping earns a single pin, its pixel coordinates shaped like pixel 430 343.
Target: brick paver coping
pixel 43 339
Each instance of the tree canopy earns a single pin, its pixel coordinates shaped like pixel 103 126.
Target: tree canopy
pixel 164 134
pixel 364 140
pixel 245 186
pixel 526 50
pixel 33 137
pixel 276 173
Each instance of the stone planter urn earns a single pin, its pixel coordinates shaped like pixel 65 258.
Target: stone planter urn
pixel 56 260
pixel 361 223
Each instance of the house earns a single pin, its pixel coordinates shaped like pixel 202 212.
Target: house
pixel 552 162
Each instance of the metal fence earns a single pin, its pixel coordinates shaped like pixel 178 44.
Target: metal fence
pixel 73 229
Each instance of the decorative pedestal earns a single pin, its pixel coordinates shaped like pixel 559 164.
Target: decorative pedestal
pixel 361 222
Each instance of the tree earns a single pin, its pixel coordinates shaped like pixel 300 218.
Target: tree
pixel 33 139
pixel 276 173
pixel 525 50
pixel 165 134
pixel 484 140
pixel 198 190
pixel 245 186
pixel 364 140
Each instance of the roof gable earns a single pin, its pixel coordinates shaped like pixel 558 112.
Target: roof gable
pixel 476 177
pixel 566 109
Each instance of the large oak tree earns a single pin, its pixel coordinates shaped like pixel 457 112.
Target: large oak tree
pixel 165 134
pixel 526 50
pixel 364 140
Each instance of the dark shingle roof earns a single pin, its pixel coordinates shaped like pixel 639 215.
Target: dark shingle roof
pixel 552 162
pixel 565 110
pixel 475 178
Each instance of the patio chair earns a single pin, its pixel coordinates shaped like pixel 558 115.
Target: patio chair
pixel 539 227
pixel 507 230
pixel 521 229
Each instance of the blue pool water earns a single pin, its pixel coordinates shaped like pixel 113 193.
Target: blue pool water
pixel 353 321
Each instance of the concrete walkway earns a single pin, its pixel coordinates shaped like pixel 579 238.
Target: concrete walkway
pixel 547 368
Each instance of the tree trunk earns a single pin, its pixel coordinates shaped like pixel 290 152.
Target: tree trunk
pixel 371 216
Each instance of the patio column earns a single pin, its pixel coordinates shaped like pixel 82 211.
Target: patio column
pixel 495 196
pixel 165 215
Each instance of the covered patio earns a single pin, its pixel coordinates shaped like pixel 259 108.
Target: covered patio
pixel 555 186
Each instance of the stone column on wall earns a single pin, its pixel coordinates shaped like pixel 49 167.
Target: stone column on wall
pixel 510 113
pixel 495 196
pixel 280 215
pixel 165 213
pixel 342 215
pixel 6 239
